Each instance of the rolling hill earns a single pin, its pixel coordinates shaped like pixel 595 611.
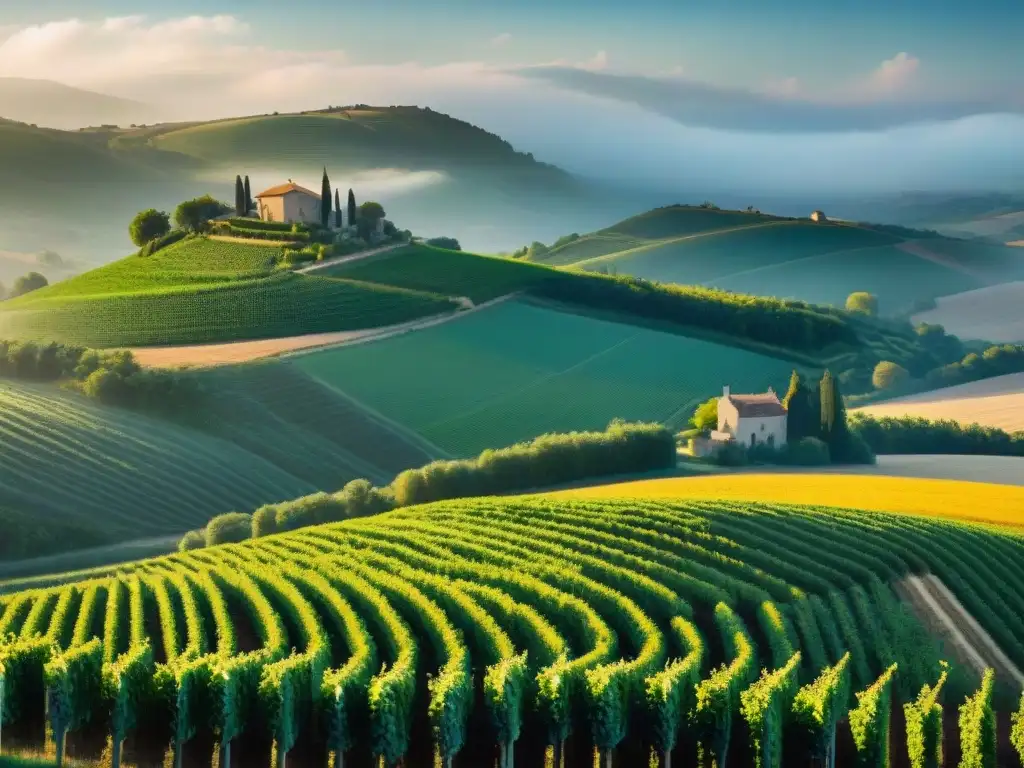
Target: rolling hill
pixel 746 612
pixel 790 258
pixel 55 105
pixel 75 191
pixel 203 290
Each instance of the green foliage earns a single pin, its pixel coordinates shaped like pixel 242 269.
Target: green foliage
pixel 446 243
pixel 765 706
pixel 172 237
pixel 978 742
pixel 994 361
pixel 863 303
pixel 148 225
pixel 193 215
pixel 705 418
pixel 870 722
pixel 228 528
pixel 670 695
pixel 818 708
pixel 889 375
pixel 547 460
pixel 924 726
pixel 74 689
pixel 718 696
pixel 1017 730
pixel 22 679
pixel 802 406
pixel 192 540
pixel 916 435
pixel 325 201
pixel 27 283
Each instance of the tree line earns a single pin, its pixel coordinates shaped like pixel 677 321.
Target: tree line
pixel 915 435
pixel 545 461
pixel 113 378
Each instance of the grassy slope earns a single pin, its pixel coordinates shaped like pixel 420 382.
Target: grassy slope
pixel 488 379
pixel 959 500
pixel 822 263
pixel 262 433
pixel 203 290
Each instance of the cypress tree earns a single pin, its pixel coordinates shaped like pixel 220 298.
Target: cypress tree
pixel 803 417
pixel 239 197
pixel 351 208
pixel 337 210
pixel 827 390
pixel 248 197
pixel 325 201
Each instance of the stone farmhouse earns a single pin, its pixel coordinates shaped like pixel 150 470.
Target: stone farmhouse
pixel 751 419
pixel 289 203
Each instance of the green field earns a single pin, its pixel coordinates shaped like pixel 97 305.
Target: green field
pixel 203 290
pixel 788 258
pixel 449 273
pixel 515 370
pixel 75 474
pixel 416 635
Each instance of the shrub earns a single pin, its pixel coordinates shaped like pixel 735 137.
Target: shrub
pixel 33 281
pixel 363 500
pixel 705 418
pixel 229 528
pixel 160 243
pixel 314 509
pixel 148 225
pixel 731 454
pixel 193 215
pixel 806 452
pixel 449 243
pixel 264 521
pixel 862 303
pixel 888 375
pixel 192 540
pixel 911 435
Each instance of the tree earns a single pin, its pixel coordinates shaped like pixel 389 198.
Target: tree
pixel 240 209
pixel 49 258
pixel 351 209
pixel 831 405
pixel 448 243
pixel 248 197
pixel 33 281
pixel 148 225
pixel 863 303
pixel 371 211
pixel 193 215
pixel 337 210
pixel 705 418
pixel 325 201
pixel 889 375
pixel 803 417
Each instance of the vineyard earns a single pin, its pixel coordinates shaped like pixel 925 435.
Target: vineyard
pixel 201 290
pixel 449 273
pixel 529 631
pixel 483 380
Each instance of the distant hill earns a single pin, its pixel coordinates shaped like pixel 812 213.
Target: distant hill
pixel 54 105
pixel 820 262
pixel 75 191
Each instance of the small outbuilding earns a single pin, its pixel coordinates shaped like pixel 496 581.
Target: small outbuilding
pixel 751 419
pixel 818 216
pixel 289 203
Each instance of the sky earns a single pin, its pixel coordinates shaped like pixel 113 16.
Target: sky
pixel 868 94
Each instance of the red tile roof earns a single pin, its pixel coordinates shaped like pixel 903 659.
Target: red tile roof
pixel 283 189
pixel 758 405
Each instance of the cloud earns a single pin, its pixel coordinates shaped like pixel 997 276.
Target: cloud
pixel 892 76
pixel 501 39
pixel 595 63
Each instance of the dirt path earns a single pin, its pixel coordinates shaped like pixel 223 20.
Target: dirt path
pixel 209 355
pixel 946 615
pixel 336 260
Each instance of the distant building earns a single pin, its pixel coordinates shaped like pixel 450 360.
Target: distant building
pixel 818 216
pixel 751 419
pixel 289 203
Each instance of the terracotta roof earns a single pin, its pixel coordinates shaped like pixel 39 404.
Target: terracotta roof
pixel 283 189
pixel 758 405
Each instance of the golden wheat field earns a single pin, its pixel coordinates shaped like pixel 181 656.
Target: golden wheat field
pixel 980 502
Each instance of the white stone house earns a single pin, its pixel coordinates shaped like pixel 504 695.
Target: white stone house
pixel 289 203
pixel 751 419
pixel 818 216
